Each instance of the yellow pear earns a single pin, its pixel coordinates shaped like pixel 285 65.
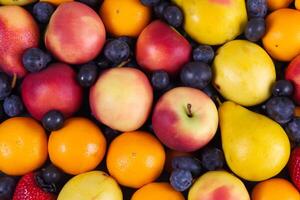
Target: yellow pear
pixel 213 22
pixel 16 2
pixel 256 148
pixel 243 72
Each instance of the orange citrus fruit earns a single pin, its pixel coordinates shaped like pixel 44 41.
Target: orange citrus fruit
pixel 297 4
pixel 56 2
pixel 135 159
pixel 275 189
pixel 78 147
pixel 23 146
pixel 154 191
pixel 282 38
pixel 277 4
pixel 125 17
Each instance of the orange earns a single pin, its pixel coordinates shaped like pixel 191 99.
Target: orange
pixel 297 4
pixel 282 38
pixel 56 2
pixel 135 159
pixel 125 17
pixel 275 189
pixel 78 147
pixel 153 191
pixel 23 146
pixel 277 4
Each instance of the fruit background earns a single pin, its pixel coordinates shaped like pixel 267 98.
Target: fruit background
pixel 149 99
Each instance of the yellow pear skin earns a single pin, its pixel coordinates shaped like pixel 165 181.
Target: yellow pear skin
pixel 256 148
pixel 16 2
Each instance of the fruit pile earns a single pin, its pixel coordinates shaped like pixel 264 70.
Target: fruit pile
pixel 150 99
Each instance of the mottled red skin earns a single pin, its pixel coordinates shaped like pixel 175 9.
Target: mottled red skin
pixel 292 74
pixel 15 40
pixel 160 47
pixel 54 88
pixel 75 33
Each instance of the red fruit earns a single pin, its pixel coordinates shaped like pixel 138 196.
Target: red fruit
pixel 294 167
pixel 27 189
pixel 292 74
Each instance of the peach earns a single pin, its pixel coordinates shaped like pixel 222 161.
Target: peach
pixel 160 47
pixel 292 74
pixel 18 32
pixel 54 88
pixel 75 33
pixel 185 119
pixel 216 185
pixel 122 98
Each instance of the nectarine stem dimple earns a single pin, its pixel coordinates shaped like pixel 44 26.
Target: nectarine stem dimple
pixel 189 110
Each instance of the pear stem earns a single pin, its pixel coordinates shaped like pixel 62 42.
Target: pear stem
pixel 189 110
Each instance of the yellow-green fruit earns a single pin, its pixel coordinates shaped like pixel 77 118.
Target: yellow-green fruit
pixel 213 22
pixel 94 185
pixel 243 72
pixel 16 2
pixel 256 148
pixel 217 185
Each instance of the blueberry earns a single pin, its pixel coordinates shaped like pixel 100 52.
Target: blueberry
pixel 181 180
pixel 212 159
pixel 255 29
pixel 130 41
pixel 196 74
pixel 42 11
pixel 187 163
pixel 257 8
pixel 13 106
pixel 116 51
pixel 7 187
pixel 35 59
pixel 160 80
pixel 203 53
pixel 293 130
pixel 159 9
pixel 150 2
pixel 280 109
pixel 5 86
pixel 53 120
pixel 87 75
pixel 173 16
pixel 103 63
pixel 283 88
pixel 51 174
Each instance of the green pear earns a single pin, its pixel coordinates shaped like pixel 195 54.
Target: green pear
pixel 256 148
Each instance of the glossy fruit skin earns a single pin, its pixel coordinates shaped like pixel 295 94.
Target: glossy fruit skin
pixel 196 74
pixel 291 74
pixel 281 40
pixel 294 167
pixel 5 86
pixel 257 8
pixel 156 190
pixel 293 129
pixel 160 8
pixel 255 29
pixel 173 16
pixel 212 159
pixel 13 106
pixel 87 74
pixel 53 120
pixel 283 88
pixel 42 11
pixel 51 174
pixel 275 189
pixel 125 18
pixel 277 4
pixel 56 2
pixel 34 59
pixel 181 179
pixel 187 163
pixel 117 51
pixel 79 140
pixel 134 149
pixel 280 109
pixel 27 189
pixel 203 53
pixel 160 80
pixel 7 187
pixel 27 142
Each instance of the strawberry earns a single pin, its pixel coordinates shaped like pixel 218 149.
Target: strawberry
pixel 294 167
pixel 27 189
